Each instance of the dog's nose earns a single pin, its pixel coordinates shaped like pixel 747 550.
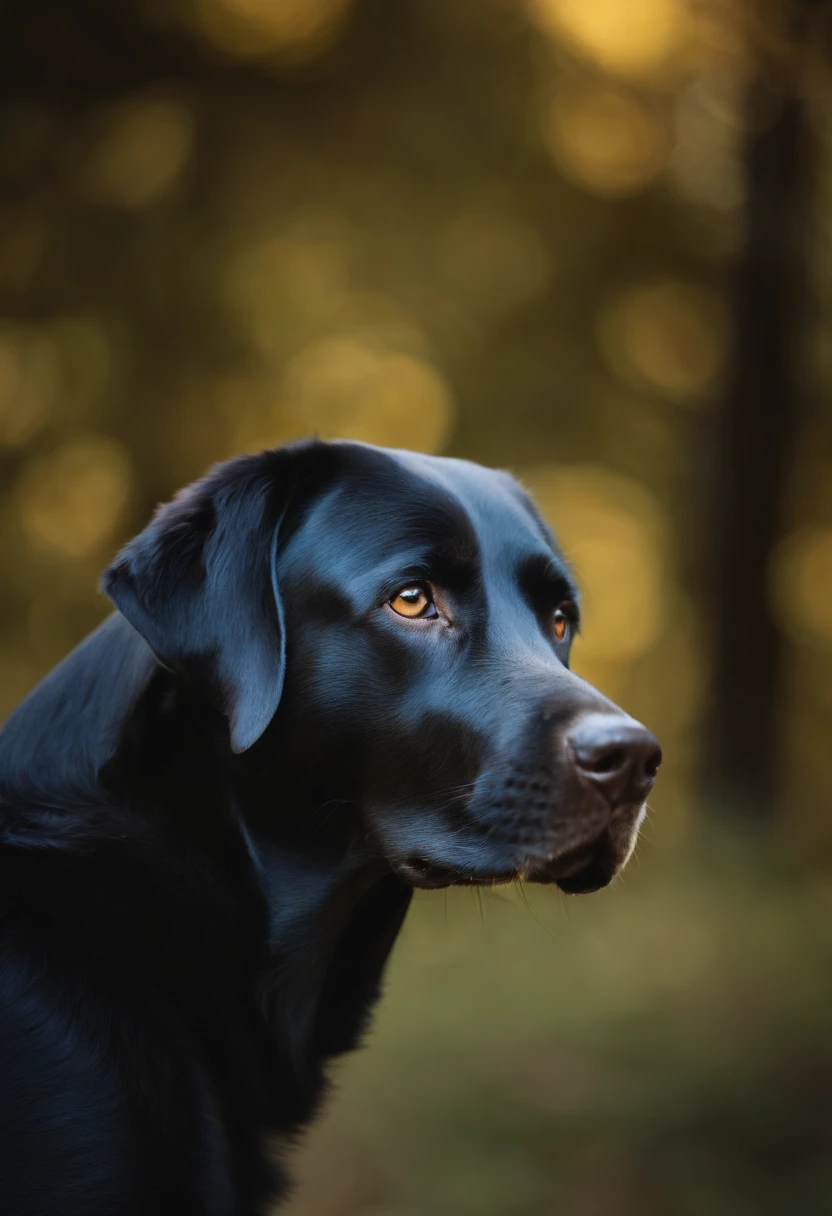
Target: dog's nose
pixel 616 754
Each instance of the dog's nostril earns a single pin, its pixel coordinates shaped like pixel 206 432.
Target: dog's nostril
pixel 651 764
pixel 606 762
pixel 616 755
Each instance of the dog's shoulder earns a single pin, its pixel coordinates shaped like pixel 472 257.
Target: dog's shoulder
pixel 61 1100
pixel 127 1030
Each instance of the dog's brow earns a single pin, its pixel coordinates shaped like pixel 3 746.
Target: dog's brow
pixel 458 557
pixel 544 578
pixel 439 540
pixel 448 565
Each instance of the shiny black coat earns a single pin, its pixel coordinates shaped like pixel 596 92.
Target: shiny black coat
pixel 213 813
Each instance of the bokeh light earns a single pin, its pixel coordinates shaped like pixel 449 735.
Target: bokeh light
pixel 705 165
pixel 289 285
pixel 86 358
pixel 140 148
pixel 635 38
pixel 260 28
pixel 612 530
pixel 493 264
pixel 671 337
pixel 343 387
pixel 605 139
pixel 28 383
pixel 69 501
pixel 801 585
pixel 505 230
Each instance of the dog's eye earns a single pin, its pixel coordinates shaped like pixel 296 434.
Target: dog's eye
pixel 560 623
pixel 413 601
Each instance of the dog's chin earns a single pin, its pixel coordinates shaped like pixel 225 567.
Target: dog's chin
pixel 433 876
pixel 577 869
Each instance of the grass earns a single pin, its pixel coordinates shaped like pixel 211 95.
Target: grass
pixel 662 1047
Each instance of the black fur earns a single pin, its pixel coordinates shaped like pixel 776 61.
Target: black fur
pixel 213 812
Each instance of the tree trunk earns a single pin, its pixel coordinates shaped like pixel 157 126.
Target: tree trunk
pixel 755 445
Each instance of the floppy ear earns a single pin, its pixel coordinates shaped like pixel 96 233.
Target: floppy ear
pixel 199 584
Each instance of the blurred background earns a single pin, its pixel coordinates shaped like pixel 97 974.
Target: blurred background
pixel 588 240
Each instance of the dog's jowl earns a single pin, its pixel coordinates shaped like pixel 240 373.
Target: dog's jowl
pixel 335 673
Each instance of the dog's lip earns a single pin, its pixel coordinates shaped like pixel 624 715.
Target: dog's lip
pixel 432 875
pixel 569 868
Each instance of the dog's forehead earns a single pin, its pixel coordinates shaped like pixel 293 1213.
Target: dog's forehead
pixel 386 501
pixel 496 505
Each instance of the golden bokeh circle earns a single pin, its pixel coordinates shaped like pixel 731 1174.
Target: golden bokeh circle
pixel 29 383
pixel 631 38
pixel 669 336
pixel 141 148
pixel 344 388
pixel 605 140
pixel 800 582
pixel 69 501
pixel 258 29
pixel 612 529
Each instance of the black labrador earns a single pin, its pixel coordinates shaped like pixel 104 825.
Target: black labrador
pixel 337 673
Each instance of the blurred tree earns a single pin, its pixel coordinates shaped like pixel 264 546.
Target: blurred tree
pixel 762 409
pixel 496 228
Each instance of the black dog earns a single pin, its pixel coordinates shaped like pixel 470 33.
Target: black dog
pixel 336 673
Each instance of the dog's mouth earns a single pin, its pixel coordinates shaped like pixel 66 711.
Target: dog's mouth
pixel 578 870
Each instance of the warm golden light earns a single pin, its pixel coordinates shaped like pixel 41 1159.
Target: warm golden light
pixel 495 264
pixel 605 140
pixel 297 280
pixel 143 146
pixel 801 585
pixel 613 530
pixel 85 358
pixel 70 500
pixel 669 336
pixel 29 383
pixel 342 387
pixel 262 28
pixel 706 166
pixel 627 37
pixel 250 415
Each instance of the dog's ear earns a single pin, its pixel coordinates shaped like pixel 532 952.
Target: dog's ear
pixel 200 585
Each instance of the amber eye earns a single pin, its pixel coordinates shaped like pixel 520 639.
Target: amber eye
pixel 413 601
pixel 560 624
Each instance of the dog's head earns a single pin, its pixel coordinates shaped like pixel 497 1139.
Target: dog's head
pixel 394 629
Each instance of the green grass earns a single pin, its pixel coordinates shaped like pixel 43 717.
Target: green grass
pixel 662 1047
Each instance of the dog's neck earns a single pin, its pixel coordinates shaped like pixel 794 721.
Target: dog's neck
pixel 303 892
pixel 334 911
pixel 333 916
pixel 332 905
